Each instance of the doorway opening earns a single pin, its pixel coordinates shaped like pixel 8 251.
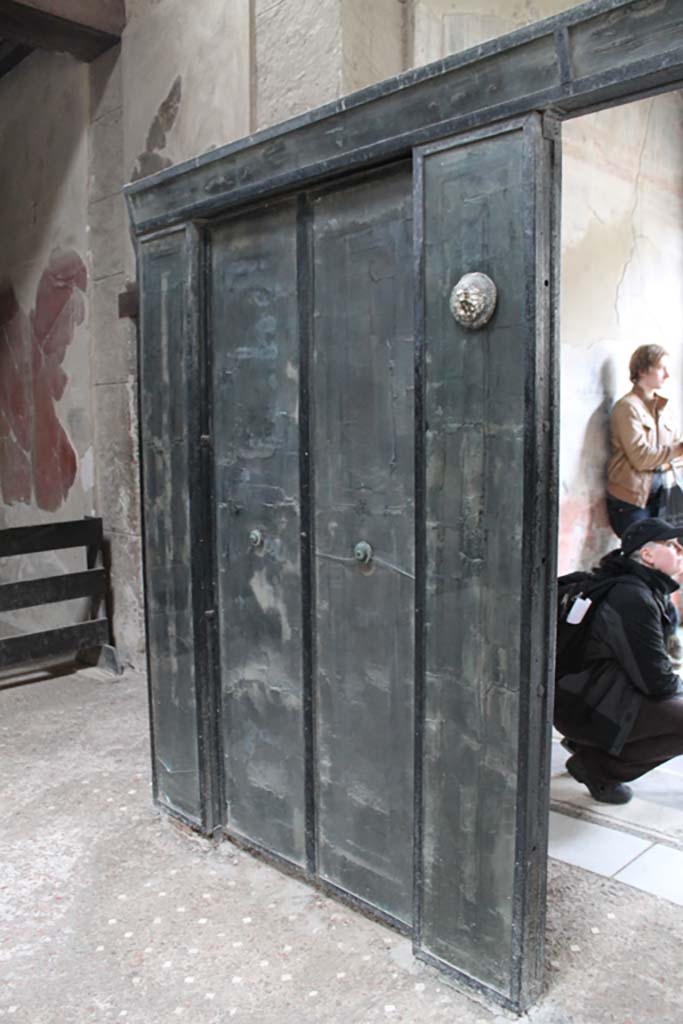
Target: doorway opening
pixel 621 273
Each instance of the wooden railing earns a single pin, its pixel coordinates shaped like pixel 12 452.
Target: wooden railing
pixel 92 583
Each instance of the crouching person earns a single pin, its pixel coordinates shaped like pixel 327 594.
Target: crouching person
pixel 622 714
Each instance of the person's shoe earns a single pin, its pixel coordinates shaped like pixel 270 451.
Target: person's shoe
pixel 617 793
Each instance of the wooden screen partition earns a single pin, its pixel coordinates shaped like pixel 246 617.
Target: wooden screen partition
pixel 92 582
pixel 350 496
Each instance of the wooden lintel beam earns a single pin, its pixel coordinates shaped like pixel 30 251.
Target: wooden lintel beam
pixel 108 16
pixel 79 27
pixel 12 54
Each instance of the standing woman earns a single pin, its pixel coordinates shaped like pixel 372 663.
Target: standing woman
pixel 643 442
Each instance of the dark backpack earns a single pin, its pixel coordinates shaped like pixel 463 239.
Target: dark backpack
pixel 572 636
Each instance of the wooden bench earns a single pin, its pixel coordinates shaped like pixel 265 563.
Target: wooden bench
pixel 92 583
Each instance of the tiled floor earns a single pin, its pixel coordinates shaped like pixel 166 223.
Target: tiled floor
pixel 633 843
pixel 655 812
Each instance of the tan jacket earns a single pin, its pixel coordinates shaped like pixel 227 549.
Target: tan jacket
pixel 642 440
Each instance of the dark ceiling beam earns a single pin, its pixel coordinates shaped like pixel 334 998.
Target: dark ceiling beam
pixel 11 54
pixel 79 27
pixel 108 16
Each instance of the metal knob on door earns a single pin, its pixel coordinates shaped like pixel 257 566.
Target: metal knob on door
pixel 473 300
pixel 363 552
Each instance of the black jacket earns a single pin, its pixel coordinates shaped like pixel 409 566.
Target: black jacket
pixel 626 657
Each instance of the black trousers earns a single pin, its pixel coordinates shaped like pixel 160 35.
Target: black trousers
pixel 620 514
pixel 656 737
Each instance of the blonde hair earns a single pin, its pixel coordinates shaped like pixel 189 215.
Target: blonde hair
pixel 645 358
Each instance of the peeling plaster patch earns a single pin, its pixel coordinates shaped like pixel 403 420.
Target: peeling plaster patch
pixel 151 160
pixel 87 471
pixel 36 456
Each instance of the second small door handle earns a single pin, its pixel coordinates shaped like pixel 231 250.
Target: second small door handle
pixel 362 552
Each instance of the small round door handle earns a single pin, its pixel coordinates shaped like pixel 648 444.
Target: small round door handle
pixel 362 552
pixel 255 538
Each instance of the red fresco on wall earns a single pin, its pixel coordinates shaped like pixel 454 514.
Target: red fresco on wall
pixel 584 534
pixel 37 460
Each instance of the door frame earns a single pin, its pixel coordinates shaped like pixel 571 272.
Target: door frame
pixel 599 54
pixel 540 254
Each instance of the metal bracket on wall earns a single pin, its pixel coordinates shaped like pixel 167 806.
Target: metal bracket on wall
pixel 552 125
pixel 129 302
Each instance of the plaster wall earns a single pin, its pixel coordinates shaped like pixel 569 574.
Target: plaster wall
pixel 47 465
pixel 186 80
pixel 298 57
pixel 113 343
pixel 622 267
pixel 374 38
pixel 309 52
pixel 449 26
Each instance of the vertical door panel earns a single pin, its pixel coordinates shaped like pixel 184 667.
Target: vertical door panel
pixel 168 431
pixel 363 448
pixel 256 442
pixel 488 558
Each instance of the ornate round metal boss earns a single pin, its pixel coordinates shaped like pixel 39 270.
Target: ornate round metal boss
pixel 473 300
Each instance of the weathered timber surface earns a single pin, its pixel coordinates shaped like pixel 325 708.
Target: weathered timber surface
pixel 27 540
pixel 485 695
pixel 596 53
pixel 254 324
pixel 363 455
pixel 52 642
pixel 29 593
pixel 167 372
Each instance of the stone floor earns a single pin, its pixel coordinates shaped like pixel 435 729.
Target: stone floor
pixel 109 913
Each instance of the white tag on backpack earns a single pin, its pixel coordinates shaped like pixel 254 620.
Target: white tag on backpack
pixel 578 611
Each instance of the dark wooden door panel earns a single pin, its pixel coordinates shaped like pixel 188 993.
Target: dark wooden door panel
pixel 254 324
pixel 167 378
pixel 485 204
pixel 363 447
